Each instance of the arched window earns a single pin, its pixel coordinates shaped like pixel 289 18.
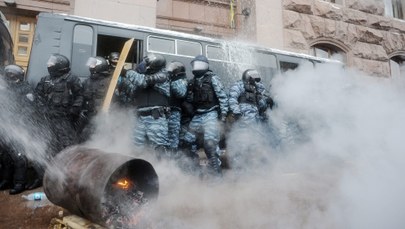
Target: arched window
pixel 329 51
pixel 397 64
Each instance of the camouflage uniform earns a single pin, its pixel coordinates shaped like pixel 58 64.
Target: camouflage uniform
pixel 178 89
pixel 211 103
pixel 151 101
pixel 246 102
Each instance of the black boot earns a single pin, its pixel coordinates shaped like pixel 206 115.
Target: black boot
pixel 18 188
pixel 210 148
pixel 37 183
pixel 161 152
pixel 5 184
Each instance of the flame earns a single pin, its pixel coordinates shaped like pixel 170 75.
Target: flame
pixel 124 183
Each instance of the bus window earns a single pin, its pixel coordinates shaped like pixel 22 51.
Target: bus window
pixel 82 49
pixel 291 62
pixel 159 44
pixel 285 66
pixel 187 48
pixel 216 53
pixel 266 65
pixel 265 59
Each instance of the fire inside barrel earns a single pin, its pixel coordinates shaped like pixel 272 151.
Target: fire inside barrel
pixel 110 189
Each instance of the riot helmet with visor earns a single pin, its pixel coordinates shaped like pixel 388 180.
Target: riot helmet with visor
pixel 58 65
pixel 14 73
pixel 97 64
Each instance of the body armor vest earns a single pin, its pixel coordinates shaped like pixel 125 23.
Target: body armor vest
pixel 21 88
pixel 95 90
pixel 249 96
pixel 150 97
pixel 176 102
pixel 57 92
pixel 204 94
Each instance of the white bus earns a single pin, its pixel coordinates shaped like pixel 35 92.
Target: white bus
pixel 78 38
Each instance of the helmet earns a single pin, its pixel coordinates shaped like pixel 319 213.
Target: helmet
pixel 200 58
pixel 113 58
pixel 97 64
pixel 58 65
pixel 199 65
pixel 14 72
pixel 154 62
pixel 175 68
pixel 199 62
pixel 251 76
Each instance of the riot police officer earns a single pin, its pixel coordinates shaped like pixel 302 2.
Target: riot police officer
pixel 178 89
pixel 247 98
pixel 248 102
pixel 94 90
pixel 210 102
pixel 13 158
pixel 149 93
pixel 60 95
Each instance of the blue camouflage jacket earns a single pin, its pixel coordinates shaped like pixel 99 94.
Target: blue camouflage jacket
pixel 246 109
pixel 219 92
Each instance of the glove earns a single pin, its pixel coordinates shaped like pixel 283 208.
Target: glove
pixel 141 67
pixel 159 77
pixel 270 102
pixel 30 97
pixel 236 116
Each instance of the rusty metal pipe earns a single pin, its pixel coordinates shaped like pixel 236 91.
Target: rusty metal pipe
pixel 81 179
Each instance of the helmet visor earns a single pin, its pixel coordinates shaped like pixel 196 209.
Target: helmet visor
pixel 253 74
pixel 172 67
pixel 93 62
pixel 199 65
pixel 52 61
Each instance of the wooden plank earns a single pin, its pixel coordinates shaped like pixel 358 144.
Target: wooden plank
pixel 76 222
pixel 117 72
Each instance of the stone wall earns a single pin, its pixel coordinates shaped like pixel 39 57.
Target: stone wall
pixel 206 17
pixel 359 28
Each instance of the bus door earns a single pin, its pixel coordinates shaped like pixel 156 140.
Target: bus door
pixel 102 43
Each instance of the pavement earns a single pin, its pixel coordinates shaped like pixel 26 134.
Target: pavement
pixel 19 213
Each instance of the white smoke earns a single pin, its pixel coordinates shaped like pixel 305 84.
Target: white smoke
pixel 336 162
pixel 21 128
pixel 342 169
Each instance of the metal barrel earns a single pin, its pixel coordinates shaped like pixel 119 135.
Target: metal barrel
pixel 89 182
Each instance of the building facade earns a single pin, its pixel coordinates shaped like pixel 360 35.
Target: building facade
pixel 366 34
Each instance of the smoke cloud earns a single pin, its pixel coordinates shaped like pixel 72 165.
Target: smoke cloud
pixel 337 162
pixel 331 157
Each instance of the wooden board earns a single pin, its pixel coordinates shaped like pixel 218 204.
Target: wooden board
pixel 116 74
